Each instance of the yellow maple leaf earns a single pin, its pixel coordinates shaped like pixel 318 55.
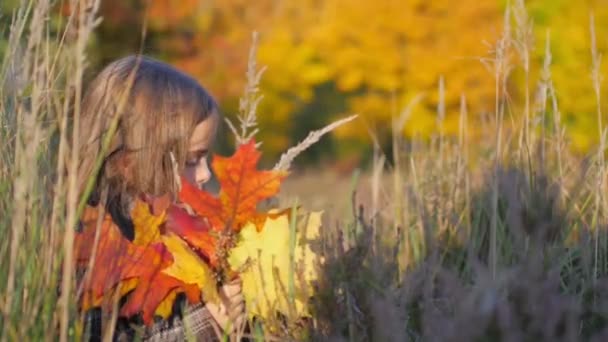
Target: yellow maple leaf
pixel 270 283
pixel 189 267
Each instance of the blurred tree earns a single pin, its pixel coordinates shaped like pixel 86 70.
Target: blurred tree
pixel 568 23
pixel 6 13
pixel 378 55
pixel 329 58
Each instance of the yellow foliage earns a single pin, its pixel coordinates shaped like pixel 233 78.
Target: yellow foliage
pixel 379 53
pixel 568 23
pixel 265 258
pixel 373 51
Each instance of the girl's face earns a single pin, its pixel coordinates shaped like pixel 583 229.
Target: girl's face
pixel 197 170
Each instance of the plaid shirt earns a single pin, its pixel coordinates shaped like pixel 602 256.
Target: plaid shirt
pixel 196 323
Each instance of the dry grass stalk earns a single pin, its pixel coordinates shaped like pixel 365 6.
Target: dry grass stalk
pixel 248 104
pixel 287 158
pixel 524 44
pixel 85 24
pixel 600 205
pixel 35 99
pixel 502 68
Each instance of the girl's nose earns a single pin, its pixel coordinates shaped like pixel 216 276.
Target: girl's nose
pixel 203 174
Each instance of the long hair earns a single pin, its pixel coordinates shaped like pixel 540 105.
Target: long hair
pixel 157 108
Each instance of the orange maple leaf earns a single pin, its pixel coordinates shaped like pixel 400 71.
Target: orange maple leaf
pixel 148 296
pixel 242 188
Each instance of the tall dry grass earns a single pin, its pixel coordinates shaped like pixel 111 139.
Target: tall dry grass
pixel 40 93
pixel 500 239
pixel 503 238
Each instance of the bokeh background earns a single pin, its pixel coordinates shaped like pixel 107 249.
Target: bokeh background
pixel 327 59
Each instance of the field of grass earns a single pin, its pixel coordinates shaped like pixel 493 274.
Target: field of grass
pixel 503 238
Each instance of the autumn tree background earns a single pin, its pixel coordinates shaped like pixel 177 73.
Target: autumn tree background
pixel 329 58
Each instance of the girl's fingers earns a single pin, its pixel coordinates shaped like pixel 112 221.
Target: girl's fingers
pixel 239 322
pixel 232 289
pixel 237 299
pixel 237 312
pixel 228 304
pixel 236 281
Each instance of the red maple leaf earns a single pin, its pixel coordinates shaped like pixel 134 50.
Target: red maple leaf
pixel 194 230
pixel 242 188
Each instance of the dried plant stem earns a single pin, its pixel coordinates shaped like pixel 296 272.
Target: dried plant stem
pixel 248 104
pixel 501 71
pixel 397 127
pixel 59 196
pixel 24 158
pixel 287 158
pixel 596 80
pixel 86 22
pixel 547 92
pixel 524 44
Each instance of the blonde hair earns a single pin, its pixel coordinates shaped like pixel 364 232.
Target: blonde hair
pixel 157 108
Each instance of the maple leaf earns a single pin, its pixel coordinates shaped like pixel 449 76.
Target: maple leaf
pixel 145 225
pixel 152 269
pixel 194 230
pixel 114 259
pixel 265 257
pixel 189 268
pixel 150 293
pixel 242 188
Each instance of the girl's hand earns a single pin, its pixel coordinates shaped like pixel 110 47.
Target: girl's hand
pixel 230 312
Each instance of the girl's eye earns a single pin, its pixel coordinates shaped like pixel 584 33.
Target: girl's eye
pixel 192 162
pixel 194 158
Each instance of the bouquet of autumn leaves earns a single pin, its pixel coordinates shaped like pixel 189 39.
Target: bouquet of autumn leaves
pixel 192 246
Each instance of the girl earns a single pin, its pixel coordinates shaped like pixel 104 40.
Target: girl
pixel 165 118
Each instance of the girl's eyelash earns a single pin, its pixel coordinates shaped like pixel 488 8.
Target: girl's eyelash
pixel 197 158
pixel 195 161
